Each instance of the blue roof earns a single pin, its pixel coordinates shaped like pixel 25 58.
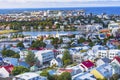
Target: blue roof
pixel 107 60
pixel 1 59
pixel 51 72
pixel 105 70
pixel 24 64
pixel 14 62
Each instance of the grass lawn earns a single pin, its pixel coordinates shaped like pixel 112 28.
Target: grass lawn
pixel 7 31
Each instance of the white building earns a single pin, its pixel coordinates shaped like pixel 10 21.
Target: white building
pixel 116 65
pixel 44 56
pixel 103 61
pixel 29 76
pixel 113 25
pixel 4 73
pixel 108 53
pixel 6 70
pixel 94 27
pixel 57 62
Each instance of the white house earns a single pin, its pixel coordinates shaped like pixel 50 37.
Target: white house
pixel 29 76
pixel 6 70
pixel 113 25
pixel 4 73
pixel 102 61
pixel 108 53
pixel 116 65
pixel 44 56
pixel 116 60
pixel 57 62
pixel 76 69
pixel 114 30
pixel 94 27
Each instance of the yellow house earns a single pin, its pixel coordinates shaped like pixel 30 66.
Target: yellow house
pixel 97 74
pixel 102 72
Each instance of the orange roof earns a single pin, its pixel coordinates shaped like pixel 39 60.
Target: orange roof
pixel 105 30
pixel 65 70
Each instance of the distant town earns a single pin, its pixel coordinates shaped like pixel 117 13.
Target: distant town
pixel 59 45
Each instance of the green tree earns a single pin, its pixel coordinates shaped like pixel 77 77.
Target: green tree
pixel 65 76
pixel 91 44
pixel 21 45
pixel 67 62
pixel 44 73
pixel 55 42
pixel 66 58
pixel 37 44
pixel 81 40
pixel 30 59
pixel 19 70
pixel 119 47
pixel 115 77
pixel 49 77
pixel 10 53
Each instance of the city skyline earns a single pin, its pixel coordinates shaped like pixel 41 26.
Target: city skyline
pixel 57 3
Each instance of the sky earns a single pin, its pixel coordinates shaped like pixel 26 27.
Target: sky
pixel 57 3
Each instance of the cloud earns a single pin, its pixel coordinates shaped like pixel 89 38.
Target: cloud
pixel 23 1
pixel 56 3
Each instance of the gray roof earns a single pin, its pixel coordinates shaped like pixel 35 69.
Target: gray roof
pixel 106 60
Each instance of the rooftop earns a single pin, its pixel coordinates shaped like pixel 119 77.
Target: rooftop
pixel 105 70
pixel 65 70
pixel 117 58
pixel 84 76
pixel 27 75
pixel 88 64
pixel 44 51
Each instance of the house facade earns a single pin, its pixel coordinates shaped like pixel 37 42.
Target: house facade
pixel 44 56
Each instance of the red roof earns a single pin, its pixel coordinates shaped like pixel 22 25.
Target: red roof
pixel 88 64
pixel 117 58
pixel 40 48
pixel 65 70
pixel 9 68
pixel 55 50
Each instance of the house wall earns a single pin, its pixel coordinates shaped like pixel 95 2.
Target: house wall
pixel 108 53
pixel 44 57
pixel 3 73
pixel 54 62
pixel 100 62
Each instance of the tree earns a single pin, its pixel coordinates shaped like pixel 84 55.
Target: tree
pixel 67 62
pixel 55 42
pixel 21 45
pixel 38 44
pixel 19 69
pixel 119 47
pixel 30 59
pixel 91 44
pixel 49 77
pixel 10 53
pixel 81 40
pixel 66 58
pixel 65 76
pixel 115 77
pixel 44 73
